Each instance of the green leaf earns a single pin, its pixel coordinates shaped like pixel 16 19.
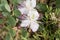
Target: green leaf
pixel 17 13
pixel 57 12
pixel 41 7
pixel 1 21
pixel 5 14
pixel 3 5
pixel 12 32
pixel 0 7
pixel 16 1
pixel 7 37
pixel 57 34
pixel 57 3
pixel 7 7
pixel 41 28
pixel 24 32
pixel 3 1
pixel 57 38
pixel 11 21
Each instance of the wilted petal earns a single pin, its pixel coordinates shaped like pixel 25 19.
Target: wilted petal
pixel 21 5
pixel 34 26
pixel 23 17
pixel 25 23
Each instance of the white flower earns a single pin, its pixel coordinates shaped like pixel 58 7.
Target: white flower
pixel 27 7
pixel 31 20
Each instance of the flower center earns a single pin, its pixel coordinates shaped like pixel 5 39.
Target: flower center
pixel 33 16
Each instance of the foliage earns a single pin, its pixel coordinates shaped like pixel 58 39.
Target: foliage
pixel 49 21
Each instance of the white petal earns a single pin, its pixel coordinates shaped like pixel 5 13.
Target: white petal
pixel 34 26
pixel 33 14
pixel 23 10
pixel 27 3
pixel 33 3
pixel 25 23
